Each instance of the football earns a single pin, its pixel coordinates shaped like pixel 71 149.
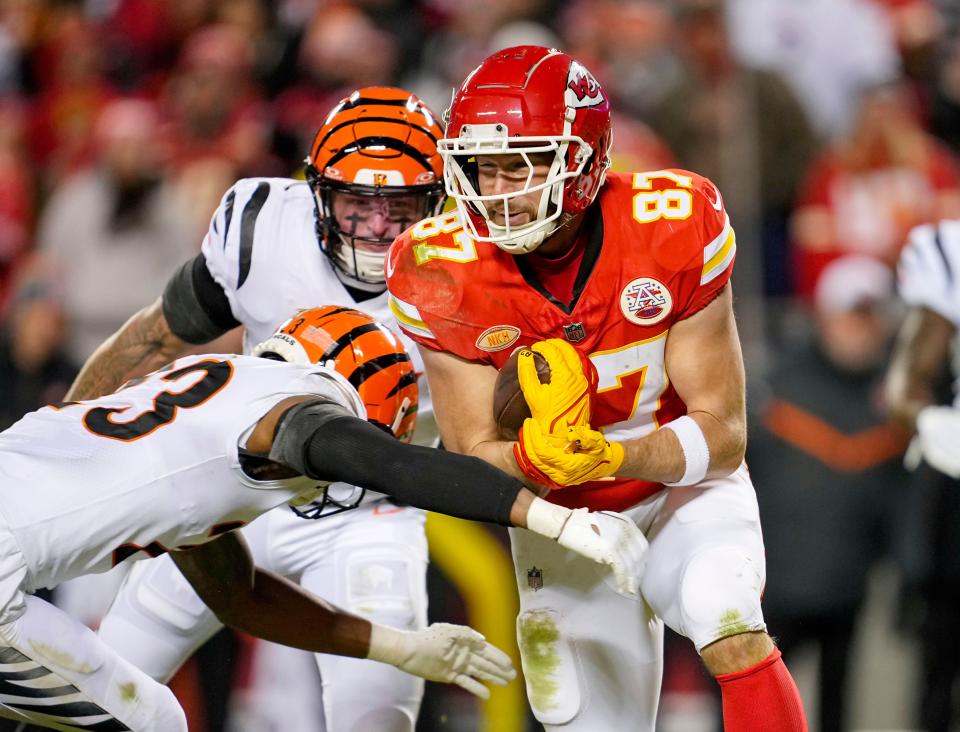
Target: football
pixel 509 406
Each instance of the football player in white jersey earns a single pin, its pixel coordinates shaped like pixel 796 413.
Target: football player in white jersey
pixel 275 245
pixel 928 279
pixel 176 460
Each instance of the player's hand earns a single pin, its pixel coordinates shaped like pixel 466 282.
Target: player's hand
pixel 938 432
pixel 579 456
pixel 566 399
pixel 606 538
pixel 611 539
pixel 453 654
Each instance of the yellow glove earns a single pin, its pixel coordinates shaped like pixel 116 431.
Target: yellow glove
pixel 565 400
pixel 580 456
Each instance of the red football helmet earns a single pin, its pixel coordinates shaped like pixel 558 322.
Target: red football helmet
pixel 527 100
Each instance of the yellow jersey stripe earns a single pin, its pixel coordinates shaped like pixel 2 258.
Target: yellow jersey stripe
pixel 718 262
pixel 408 322
pixel 717 244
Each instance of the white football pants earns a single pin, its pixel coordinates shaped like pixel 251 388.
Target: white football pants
pixel 592 658
pixel 56 673
pixel 370 560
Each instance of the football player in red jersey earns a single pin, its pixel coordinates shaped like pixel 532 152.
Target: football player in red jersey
pixel 628 275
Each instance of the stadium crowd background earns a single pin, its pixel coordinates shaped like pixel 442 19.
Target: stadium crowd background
pixel 830 126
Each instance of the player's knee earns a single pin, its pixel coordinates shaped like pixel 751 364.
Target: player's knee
pixel 387 587
pixel 158 595
pixel 720 595
pixel 549 667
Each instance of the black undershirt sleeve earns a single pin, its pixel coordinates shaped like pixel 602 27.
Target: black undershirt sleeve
pixel 326 443
pixel 195 306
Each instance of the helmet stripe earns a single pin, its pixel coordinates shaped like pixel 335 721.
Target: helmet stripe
pixel 387 142
pixel 387 120
pixel 408 379
pixel 351 103
pixel 375 365
pixel 348 338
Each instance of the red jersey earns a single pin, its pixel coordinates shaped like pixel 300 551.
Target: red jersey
pixel 659 248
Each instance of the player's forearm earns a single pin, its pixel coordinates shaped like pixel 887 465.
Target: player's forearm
pixel 499 454
pixel 142 344
pixel 659 457
pixel 277 610
pixel 324 442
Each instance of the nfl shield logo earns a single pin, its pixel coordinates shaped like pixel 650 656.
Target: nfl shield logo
pixel 535 578
pixel 574 332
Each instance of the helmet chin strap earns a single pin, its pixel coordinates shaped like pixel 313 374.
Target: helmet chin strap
pixel 354 283
pixel 523 242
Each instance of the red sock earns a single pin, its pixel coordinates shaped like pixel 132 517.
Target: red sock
pixel 762 698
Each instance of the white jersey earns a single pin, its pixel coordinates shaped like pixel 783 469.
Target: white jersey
pixel 928 275
pixel 262 249
pixel 149 468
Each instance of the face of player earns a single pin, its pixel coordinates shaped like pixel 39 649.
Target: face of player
pixel 377 219
pixel 508 173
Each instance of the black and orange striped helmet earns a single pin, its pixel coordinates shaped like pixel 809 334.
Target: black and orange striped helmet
pixel 365 352
pixel 375 171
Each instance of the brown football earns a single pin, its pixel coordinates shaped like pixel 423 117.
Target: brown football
pixel 509 406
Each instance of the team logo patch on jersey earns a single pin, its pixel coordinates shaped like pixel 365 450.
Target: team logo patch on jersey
pixel 535 578
pixel 497 338
pixel 645 301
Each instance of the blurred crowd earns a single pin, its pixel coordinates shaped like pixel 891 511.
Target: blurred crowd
pixel 831 126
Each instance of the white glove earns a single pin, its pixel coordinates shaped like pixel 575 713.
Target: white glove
pixel 605 537
pixel 938 429
pixel 453 654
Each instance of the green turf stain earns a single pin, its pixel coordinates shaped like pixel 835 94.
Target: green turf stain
pixel 61 657
pixel 539 637
pixel 128 691
pixel 731 623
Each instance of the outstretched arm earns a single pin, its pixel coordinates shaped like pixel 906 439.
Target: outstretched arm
pixel 267 606
pixel 326 442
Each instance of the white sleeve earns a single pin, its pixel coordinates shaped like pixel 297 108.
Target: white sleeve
pixel 228 245
pixel 928 274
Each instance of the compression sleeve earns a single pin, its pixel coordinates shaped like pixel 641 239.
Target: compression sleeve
pixel 195 306
pixel 325 443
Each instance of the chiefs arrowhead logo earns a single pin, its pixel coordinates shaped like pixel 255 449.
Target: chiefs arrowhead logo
pixel 645 301
pixel 582 89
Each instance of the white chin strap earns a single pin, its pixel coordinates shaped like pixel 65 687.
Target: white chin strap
pixel 522 240
pixel 367 265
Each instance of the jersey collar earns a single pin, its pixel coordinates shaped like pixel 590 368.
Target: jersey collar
pixel 593 232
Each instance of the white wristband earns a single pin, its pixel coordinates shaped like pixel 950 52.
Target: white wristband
pixel 388 645
pixel 546 519
pixel 696 454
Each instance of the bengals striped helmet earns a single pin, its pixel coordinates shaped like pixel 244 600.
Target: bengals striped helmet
pixel 366 353
pixel 375 171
